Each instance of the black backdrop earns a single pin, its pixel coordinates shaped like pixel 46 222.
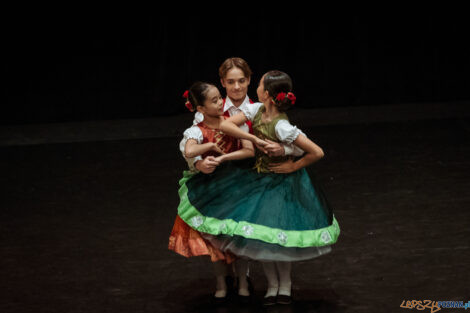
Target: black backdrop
pixel 61 69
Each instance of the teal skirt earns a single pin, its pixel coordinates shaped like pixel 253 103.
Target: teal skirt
pixel 262 216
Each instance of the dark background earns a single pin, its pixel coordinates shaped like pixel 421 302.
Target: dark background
pixel 103 67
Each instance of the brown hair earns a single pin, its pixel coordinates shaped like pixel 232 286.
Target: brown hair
pixel 276 82
pixel 234 62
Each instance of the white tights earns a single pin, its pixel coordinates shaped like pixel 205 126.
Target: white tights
pixel 279 282
pixel 221 271
pixel 241 270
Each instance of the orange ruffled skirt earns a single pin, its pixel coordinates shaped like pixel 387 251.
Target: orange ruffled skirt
pixel 188 242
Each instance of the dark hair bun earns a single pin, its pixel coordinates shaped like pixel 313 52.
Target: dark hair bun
pixel 279 84
pixel 197 94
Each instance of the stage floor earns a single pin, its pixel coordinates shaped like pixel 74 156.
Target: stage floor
pixel 85 225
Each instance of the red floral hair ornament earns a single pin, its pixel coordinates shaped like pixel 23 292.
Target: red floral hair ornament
pixel 291 97
pixel 187 104
pixel 281 96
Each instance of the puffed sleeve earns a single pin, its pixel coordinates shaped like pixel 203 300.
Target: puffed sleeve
pixel 292 149
pixel 191 133
pixel 251 109
pixel 286 132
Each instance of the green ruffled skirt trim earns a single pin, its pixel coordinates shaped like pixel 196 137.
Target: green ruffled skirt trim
pixel 287 238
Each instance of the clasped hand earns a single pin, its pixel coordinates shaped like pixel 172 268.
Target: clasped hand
pixel 208 164
pixel 285 167
pixel 270 148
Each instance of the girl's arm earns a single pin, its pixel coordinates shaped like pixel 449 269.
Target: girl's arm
pixel 247 151
pixel 193 149
pixel 312 154
pixel 207 165
pixel 231 127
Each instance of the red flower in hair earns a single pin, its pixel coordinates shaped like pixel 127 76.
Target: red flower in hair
pixel 291 97
pixel 281 96
pixel 186 94
pixel 189 106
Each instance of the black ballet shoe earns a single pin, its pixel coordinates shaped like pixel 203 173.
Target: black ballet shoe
pixel 243 299
pixel 269 300
pixel 219 300
pixel 283 299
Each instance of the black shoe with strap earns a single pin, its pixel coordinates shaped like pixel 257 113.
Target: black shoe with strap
pixel 269 300
pixel 283 299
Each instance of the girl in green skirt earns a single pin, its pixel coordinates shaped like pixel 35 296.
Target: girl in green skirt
pixel 276 214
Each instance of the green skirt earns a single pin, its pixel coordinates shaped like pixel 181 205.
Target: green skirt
pixel 262 216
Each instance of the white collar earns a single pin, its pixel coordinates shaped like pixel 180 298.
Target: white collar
pixel 229 103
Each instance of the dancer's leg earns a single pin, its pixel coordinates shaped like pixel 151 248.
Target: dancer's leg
pixel 220 271
pixel 271 276
pixel 285 283
pixel 241 266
